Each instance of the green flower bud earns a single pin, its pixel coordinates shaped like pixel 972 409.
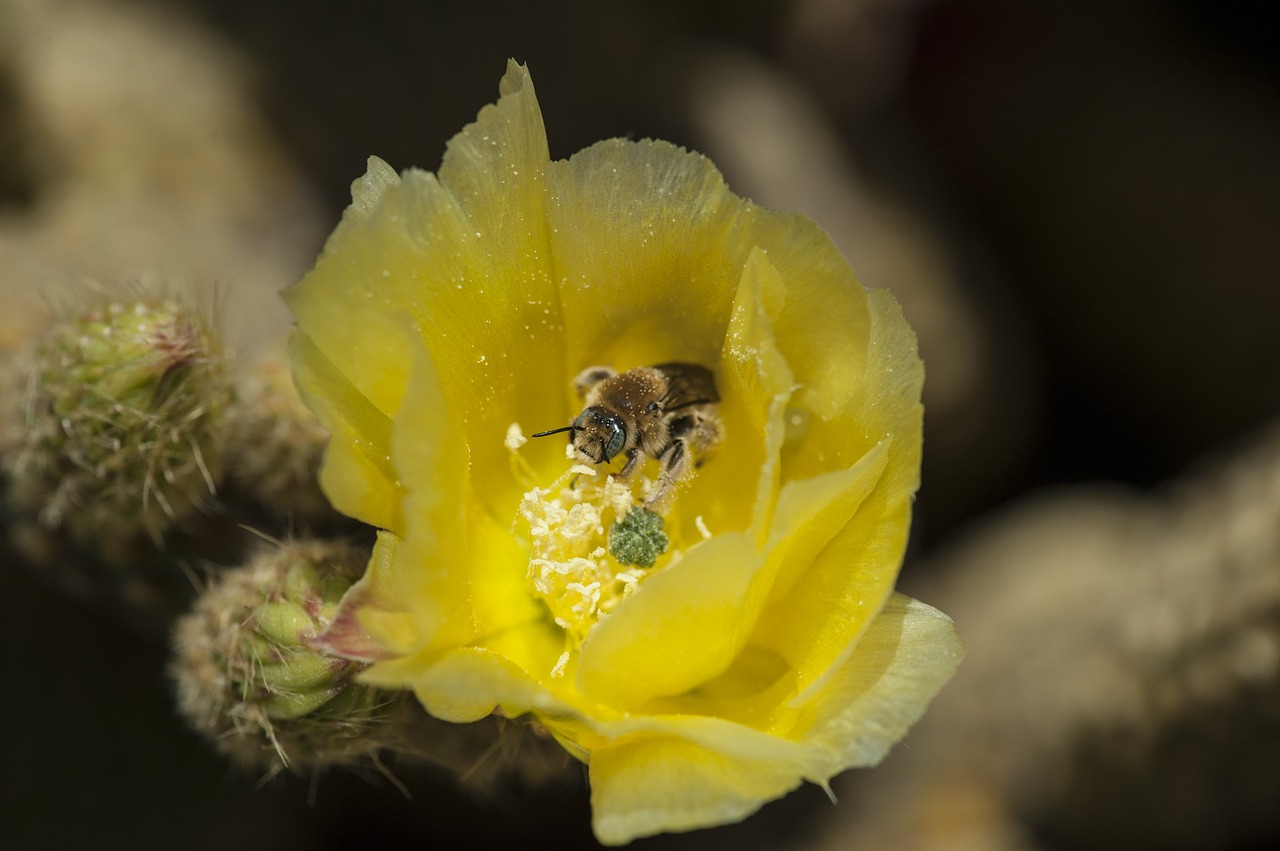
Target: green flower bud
pixel 250 678
pixel 122 424
pixel 637 539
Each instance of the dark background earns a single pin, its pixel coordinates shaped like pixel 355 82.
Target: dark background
pixel 1103 176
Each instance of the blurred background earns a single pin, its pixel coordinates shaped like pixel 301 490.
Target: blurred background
pixel 1078 206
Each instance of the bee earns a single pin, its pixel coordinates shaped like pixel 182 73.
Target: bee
pixel 669 412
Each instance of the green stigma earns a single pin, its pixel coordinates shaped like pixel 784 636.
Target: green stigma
pixel 638 539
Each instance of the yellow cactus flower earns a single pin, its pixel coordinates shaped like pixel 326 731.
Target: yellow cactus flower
pixel 447 318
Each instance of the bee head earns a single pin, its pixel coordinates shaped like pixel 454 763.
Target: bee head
pixel 597 434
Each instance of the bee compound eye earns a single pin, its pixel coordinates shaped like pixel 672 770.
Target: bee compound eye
pixel 617 437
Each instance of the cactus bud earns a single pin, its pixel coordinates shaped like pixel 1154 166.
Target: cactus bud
pixel 122 424
pixel 249 678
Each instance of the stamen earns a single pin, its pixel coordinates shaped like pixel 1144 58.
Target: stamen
pixel 565 526
pixel 515 437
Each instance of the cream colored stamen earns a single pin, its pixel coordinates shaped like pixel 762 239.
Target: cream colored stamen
pixel 566 528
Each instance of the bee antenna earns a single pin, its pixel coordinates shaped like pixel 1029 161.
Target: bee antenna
pixel 554 431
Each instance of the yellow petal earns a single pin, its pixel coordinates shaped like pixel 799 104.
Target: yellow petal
pixel 466 684
pixel 716 735
pixel 823 326
pixel 812 511
pixel 344 295
pixel 647 254
pixel 458 685
pixel 906 655
pixel 704 772
pixel 432 563
pixel 367 190
pixel 815 625
pixel 356 474
pixel 696 778
pixel 352 403
pixel 682 627
pixel 755 388
pixel 653 785
pixel 747 694
pixel 499 592
pixel 466 256
pixel 490 304
pixel 883 400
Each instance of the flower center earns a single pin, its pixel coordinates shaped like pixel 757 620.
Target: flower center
pixel 590 541
pixel 570 566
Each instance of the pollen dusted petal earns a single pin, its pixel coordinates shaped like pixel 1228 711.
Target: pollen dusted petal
pixel 493 318
pixel 646 247
pixel 344 292
pixel 467 257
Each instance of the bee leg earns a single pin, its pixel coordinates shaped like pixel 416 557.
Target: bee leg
pixel 633 459
pixel 676 466
pixel 702 432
